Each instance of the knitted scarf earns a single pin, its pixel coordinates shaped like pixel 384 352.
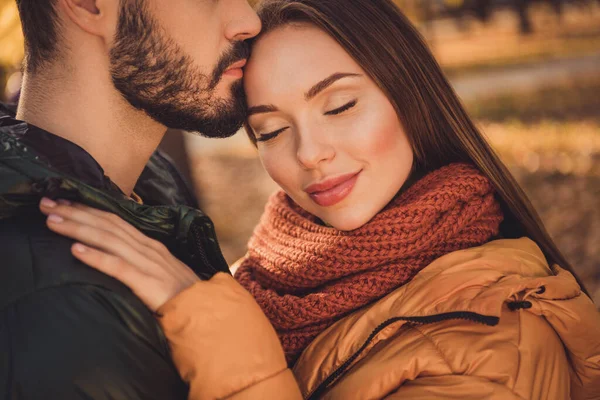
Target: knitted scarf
pixel 306 276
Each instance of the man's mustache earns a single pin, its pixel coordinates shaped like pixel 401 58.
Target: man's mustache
pixel 239 51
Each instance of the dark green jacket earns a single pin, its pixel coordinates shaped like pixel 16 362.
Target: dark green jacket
pixel 66 330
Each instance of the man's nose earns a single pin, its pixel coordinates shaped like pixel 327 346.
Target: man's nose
pixel 245 24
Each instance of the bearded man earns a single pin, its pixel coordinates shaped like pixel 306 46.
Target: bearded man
pixel 103 81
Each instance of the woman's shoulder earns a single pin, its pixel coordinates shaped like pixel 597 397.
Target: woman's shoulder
pixel 520 357
pixel 492 313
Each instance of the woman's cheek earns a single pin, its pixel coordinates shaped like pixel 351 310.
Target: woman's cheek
pixel 269 163
pixel 377 134
pixel 277 167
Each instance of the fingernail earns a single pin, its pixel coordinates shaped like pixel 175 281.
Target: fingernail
pixel 64 202
pixel 46 202
pixel 55 218
pixel 78 247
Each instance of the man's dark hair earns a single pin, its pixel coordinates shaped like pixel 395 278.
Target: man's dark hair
pixel 40 29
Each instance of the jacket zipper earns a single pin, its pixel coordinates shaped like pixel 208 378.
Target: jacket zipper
pixel 482 319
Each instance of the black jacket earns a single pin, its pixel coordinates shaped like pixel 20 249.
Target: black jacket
pixel 66 330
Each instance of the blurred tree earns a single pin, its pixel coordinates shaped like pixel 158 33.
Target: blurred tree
pixel 11 37
pixel 11 42
pixel 522 9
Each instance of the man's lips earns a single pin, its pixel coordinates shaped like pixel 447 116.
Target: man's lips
pixel 235 69
pixel 332 190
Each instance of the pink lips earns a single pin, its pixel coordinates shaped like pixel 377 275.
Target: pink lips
pixel 333 190
pixel 235 70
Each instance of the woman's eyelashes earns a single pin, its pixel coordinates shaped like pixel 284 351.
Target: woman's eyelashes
pixel 263 137
pixel 343 108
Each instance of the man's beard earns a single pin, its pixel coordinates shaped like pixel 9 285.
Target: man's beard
pixel 154 75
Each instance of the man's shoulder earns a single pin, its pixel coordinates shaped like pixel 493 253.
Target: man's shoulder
pixel 72 343
pixel 83 341
pixel 71 329
pixel 35 259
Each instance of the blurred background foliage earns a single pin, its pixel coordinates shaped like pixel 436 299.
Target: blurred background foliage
pixel 11 38
pixel 527 70
pixel 11 48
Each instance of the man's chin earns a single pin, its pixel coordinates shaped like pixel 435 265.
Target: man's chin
pixel 227 114
pixel 213 117
pixel 219 128
pixel 224 123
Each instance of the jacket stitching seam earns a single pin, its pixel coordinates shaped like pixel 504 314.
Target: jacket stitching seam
pixel 251 385
pixel 435 346
pixel 480 378
pixel 520 335
pixel 558 299
pixel 438 350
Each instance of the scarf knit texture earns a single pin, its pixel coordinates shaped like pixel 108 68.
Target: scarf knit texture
pixel 306 276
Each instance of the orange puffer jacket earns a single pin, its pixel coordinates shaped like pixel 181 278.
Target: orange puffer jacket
pixel 490 322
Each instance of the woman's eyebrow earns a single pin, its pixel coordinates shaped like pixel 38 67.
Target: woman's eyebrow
pixel 325 83
pixel 261 109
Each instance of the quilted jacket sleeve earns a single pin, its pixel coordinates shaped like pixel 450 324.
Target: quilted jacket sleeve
pixel 223 344
pixel 453 387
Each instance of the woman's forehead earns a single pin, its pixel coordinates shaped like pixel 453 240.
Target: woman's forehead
pixel 297 57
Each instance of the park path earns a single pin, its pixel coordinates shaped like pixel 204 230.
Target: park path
pixel 525 77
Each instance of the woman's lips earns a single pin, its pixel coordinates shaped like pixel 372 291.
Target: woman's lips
pixel 332 191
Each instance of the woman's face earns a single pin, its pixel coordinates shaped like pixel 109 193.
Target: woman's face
pixel 326 133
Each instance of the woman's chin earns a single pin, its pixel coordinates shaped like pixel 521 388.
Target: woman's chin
pixel 347 222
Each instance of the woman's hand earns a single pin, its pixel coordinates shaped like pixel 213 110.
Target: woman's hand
pixel 203 324
pixel 114 247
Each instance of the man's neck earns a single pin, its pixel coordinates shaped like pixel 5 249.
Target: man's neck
pixel 88 111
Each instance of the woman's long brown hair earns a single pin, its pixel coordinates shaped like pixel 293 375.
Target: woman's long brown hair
pixel 394 54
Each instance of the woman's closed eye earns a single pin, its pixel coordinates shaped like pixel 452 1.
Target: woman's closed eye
pixel 263 137
pixel 341 109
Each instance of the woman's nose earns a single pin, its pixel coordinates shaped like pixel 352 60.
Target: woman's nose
pixel 312 152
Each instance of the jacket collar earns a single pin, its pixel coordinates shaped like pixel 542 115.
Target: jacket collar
pixel 56 152
pixel 26 176
pixel 470 284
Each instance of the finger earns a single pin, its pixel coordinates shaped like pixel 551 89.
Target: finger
pixel 83 216
pixel 113 266
pixel 156 249
pixel 116 220
pixel 105 241
pixel 106 263
pixel 107 221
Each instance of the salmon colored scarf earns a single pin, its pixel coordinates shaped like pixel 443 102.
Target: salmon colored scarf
pixel 306 276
